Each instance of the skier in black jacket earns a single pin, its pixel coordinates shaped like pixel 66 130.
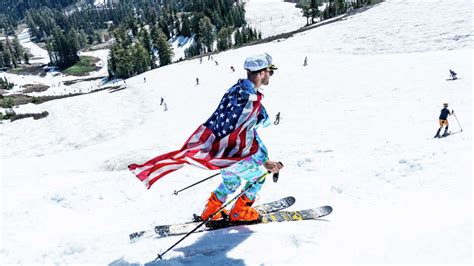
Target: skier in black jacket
pixel 443 120
pixel 453 74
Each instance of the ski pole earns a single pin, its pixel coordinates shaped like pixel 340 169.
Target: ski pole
pixel 176 192
pixel 457 121
pixel 261 178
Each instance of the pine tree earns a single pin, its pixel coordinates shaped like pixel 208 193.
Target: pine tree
pixel 7 58
pixel 62 49
pixel 82 39
pixel 207 33
pixel 1 59
pixel 124 64
pixel 224 39
pixel 185 26
pixel 165 53
pixel 164 27
pixel 194 49
pixel 17 50
pixel 49 49
pixel 141 59
pixel 238 38
pixel 72 48
pixel 26 56
pixel 34 32
pixel 313 10
pixel 340 7
pixel 145 39
pixel 112 62
pixel 305 9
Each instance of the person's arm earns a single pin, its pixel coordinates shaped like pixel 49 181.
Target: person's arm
pixel 261 158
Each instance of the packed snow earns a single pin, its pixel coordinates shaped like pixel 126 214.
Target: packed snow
pixel 272 17
pixel 356 133
pixel 40 55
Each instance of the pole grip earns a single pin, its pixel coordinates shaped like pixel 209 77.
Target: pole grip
pixel 277 175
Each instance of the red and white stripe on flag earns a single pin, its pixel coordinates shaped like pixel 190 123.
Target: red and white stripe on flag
pixel 203 149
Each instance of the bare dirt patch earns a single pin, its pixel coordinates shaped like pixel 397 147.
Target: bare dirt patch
pixel 29 88
pixel 29 70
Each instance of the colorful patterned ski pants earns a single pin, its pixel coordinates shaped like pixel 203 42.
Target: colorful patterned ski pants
pixel 249 169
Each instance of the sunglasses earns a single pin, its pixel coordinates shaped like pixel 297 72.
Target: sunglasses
pixel 270 71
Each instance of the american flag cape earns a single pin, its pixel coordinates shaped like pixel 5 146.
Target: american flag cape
pixel 227 137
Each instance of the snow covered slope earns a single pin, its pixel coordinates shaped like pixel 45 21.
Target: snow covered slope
pixel 356 133
pixel 273 17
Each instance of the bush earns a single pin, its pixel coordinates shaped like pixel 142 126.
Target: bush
pixel 9 113
pixel 7 102
pixel 35 116
pixel 41 115
pixel 4 84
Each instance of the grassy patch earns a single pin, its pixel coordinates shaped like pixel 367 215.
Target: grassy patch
pixel 85 65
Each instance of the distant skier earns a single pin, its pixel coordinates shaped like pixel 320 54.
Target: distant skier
pixel 197 81
pixel 144 79
pixel 305 61
pixel 200 60
pixel 443 121
pixel 162 100
pixel 166 107
pixel 216 63
pixel 453 74
pixel 232 68
pixel 277 119
pixel 227 141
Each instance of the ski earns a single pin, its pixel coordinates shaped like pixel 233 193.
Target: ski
pixel 263 209
pixel 276 205
pixel 278 216
pixel 447 134
pixel 286 216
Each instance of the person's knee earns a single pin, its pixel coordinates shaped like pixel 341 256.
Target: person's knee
pixel 232 185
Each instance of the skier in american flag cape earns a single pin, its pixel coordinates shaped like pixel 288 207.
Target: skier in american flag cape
pixel 227 141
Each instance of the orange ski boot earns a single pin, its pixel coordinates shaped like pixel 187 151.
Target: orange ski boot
pixel 213 205
pixel 243 212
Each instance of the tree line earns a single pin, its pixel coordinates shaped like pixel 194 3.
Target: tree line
pixel 142 42
pixel 310 8
pixel 141 29
pixel 12 54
